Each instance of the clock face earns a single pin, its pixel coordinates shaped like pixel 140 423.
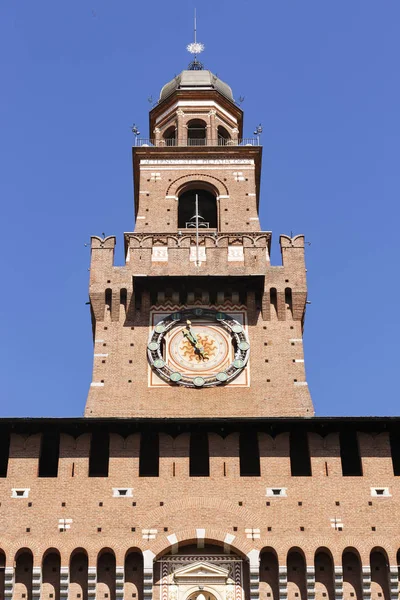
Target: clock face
pixel 198 348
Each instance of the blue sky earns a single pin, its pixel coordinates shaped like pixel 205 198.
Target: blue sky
pixel 323 79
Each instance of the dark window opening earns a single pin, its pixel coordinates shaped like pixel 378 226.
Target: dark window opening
pixel 300 464
pixel 199 457
pixel 274 300
pixel 170 136
pixel 249 455
pixel 49 454
pixel 108 299
pixel 207 209
pixel 350 454
pixel 99 454
pixel 223 136
pixel 123 298
pixel 196 133
pixel 4 453
pixel 149 455
pixel 395 449
pixel 288 299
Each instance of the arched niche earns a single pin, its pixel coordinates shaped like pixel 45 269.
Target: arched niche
pixel 269 575
pixel 23 575
pixel 296 575
pixel 78 575
pixel 169 136
pixel 133 568
pixel 324 575
pixel 196 133
pixel 51 575
pixel 352 586
pixel 379 575
pixel 224 137
pixel 106 571
pixel 207 207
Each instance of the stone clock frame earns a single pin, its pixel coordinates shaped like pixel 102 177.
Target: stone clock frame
pixel 169 374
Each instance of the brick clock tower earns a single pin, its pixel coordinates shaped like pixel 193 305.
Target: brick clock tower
pixel 198 255
pixel 199 471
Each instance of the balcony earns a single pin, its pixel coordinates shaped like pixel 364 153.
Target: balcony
pixel 172 142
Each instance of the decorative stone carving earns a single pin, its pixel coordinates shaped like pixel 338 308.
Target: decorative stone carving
pixel 159 254
pixel 202 254
pixel 235 253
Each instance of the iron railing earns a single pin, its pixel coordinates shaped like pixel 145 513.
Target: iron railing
pixel 196 142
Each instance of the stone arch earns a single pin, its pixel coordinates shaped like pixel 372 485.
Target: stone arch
pixel 215 537
pixel 78 574
pixel 176 186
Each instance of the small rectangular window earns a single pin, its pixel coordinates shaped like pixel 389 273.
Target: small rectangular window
pixel 199 458
pixel 49 454
pixel 249 454
pixel 20 492
pixel 380 492
pixel 122 492
pixel 277 491
pixel 350 454
pixel 99 454
pixel 300 464
pixel 149 455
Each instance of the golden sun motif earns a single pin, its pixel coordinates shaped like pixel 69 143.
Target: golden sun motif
pixel 189 351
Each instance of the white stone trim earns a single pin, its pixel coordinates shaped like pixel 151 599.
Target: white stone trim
pixel 97 384
pixel 200 534
pixel 20 492
pixel 196 103
pixel 270 492
pixel 299 360
pixel 202 254
pixel 64 524
pixel 100 355
pixel 159 254
pixel 8 582
pixel 300 383
pixel 283 583
pixel 385 492
pixel 119 582
pixel 64 583
pixel 116 492
pixel 36 582
pixel 235 254
pixel 92 581
pixel 98 341
pixel 298 340
pixel 197 161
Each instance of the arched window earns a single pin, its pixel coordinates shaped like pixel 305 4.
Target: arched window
pixel 223 136
pixel 196 133
pixel 170 136
pixel 207 209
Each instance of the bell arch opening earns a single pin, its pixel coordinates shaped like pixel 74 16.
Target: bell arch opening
pixel 223 136
pixel 196 133
pixel 206 209
pixel 170 136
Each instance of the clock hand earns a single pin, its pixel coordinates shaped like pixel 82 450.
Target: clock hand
pixel 192 337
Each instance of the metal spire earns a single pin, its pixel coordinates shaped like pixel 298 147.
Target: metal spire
pixel 195 48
